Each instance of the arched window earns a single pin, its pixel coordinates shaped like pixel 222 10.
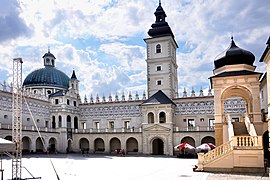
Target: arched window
pixel 158 48
pixel 76 124
pixel 53 122
pixel 60 121
pixel 68 121
pixel 162 117
pixel 150 118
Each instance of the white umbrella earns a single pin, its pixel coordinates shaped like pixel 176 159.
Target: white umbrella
pixel 203 147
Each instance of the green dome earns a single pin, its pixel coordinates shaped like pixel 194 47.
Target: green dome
pixel 48 76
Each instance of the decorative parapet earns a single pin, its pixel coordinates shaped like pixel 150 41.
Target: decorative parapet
pixel 117 98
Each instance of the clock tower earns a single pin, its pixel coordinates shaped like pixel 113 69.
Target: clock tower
pixel 161 57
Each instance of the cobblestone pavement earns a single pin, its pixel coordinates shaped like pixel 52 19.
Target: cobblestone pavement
pixel 107 167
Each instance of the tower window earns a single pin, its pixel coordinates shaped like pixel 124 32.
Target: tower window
pixel 159 68
pixel 67 101
pixel 158 48
pixel 56 101
pixel 158 82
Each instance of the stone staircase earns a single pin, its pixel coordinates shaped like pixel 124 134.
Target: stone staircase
pixel 240 129
pixel 242 153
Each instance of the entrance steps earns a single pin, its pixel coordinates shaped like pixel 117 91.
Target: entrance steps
pixel 240 129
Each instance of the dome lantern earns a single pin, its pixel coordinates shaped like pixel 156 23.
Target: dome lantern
pixel 49 59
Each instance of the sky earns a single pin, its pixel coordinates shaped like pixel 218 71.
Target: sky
pixel 102 40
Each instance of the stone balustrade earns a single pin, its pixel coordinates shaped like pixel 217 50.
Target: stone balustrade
pixel 194 129
pixel 237 142
pixel 108 130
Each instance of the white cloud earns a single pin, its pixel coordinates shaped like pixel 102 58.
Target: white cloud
pixel 113 60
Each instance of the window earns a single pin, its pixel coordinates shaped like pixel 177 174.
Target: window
pixel 5 116
pixel 159 68
pixel 75 103
pixel 49 92
pixel 262 95
pixel 111 125
pixel 47 124
pixel 235 119
pixel 83 125
pixel 184 120
pixel 60 121
pixel 126 124
pixel 162 117
pixel 159 82
pixel 211 122
pixel 150 118
pixel 37 120
pixel 56 101
pixel 53 122
pixel 96 125
pixel 158 48
pixel 191 123
pixel 27 119
pixel 67 101
pixel 202 119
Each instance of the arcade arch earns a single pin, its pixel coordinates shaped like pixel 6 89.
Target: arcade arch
pixel 99 145
pixel 84 144
pixel 132 145
pixel 115 144
pixel 208 139
pixel 26 143
pixel 189 140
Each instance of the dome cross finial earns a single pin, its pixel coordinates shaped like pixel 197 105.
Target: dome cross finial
pixel 160 2
pixel 48 49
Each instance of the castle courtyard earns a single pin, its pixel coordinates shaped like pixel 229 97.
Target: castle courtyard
pixel 107 167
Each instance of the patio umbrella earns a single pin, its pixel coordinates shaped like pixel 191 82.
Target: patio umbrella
pixel 184 145
pixel 212 146
pixel 203 147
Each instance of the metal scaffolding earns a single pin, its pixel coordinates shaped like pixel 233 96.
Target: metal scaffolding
pixel 17 118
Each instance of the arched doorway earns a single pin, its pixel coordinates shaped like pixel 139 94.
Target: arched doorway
pixel 69 147
pixel 266 145
pixel 52 145
pixel 99 145
pixel 26 144
pixel 115 144
pixel 189 140
pixel 157 147
pixel 208 139
pixel 132 145
pixel 39 145
pixel 84 144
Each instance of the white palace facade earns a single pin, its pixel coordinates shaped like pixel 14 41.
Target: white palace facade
pixel 152 123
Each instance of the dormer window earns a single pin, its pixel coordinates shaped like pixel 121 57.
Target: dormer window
pixel 158 48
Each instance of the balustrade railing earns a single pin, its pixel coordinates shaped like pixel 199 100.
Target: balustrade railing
pixel 28 128
pixel 194 129
pixel 108 130
pixel 237 142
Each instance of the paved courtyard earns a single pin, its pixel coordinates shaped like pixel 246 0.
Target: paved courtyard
pixel 99 167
